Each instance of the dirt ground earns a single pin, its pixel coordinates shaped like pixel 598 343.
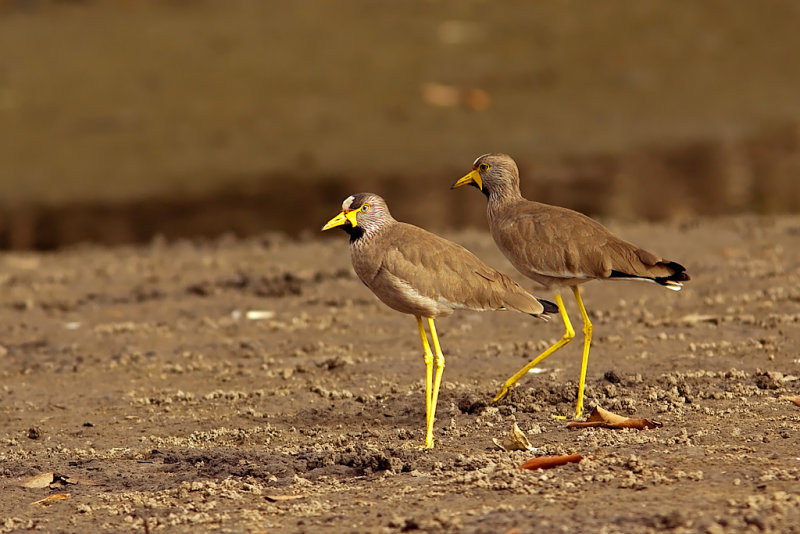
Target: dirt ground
pixel 256 386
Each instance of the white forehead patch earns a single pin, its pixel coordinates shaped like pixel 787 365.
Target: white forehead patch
pixel 346 204
pixel 474 163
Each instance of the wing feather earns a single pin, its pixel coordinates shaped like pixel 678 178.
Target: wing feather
pixel 448 273
pixel 562 243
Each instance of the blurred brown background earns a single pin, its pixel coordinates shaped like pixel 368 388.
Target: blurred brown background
pixel 121 120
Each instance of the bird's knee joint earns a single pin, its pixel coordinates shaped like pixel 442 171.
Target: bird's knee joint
pixel 428 356
pixel 587 329
pixel 569 334
pixel 440 362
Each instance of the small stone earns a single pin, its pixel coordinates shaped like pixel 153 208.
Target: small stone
pixel 472 404
pixel 613 377
pixel 769 380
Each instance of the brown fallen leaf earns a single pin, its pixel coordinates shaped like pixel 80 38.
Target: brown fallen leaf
pixel 605 419
pixel 62 480
pixel 695 318
pixel 515 440
pixel 449 96
pixel 548 462
pixel 794 400
pixel 281 498
pixel 476 99
pixel 42 480
pixel 54 480
pixel 441 95
pixel 50 499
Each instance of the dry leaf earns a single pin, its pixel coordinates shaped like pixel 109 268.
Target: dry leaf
pixel 695 318
pixel 50 499
pixel 42 480
pixel 793 400
pixel 548 462
pixel 515 440
pixel 54 480
pixel 449 96
pixel 605 419
pixel 477 100
pixel 438 94
pixel 62 480
pixel 257 315
pixel 280 498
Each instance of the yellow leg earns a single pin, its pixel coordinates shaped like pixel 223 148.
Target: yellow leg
pixel 436 383
pixel 428 373
pixel 569 333
pixel 587 342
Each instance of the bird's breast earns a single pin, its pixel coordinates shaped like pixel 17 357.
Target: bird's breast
pixel 402 296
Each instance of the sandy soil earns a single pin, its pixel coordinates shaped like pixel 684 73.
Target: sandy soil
pixel 139 377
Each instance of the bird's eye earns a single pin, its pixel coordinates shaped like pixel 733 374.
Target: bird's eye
pixel 483 167
pixel 365 208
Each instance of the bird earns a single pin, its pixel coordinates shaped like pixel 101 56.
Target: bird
pixel 559 248
pixel 419 273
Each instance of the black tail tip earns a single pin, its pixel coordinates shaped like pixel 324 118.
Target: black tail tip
pixel 679 274
pixel 549 307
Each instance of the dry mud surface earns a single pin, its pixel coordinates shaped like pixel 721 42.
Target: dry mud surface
pixel 138 376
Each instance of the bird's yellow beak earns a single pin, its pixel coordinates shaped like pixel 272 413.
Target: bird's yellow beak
pixel 473 177
pixel 342 218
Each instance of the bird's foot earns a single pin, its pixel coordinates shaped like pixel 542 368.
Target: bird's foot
pixel 504 391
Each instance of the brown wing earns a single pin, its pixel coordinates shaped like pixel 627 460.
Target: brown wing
pixel 562 243
pixel 447 272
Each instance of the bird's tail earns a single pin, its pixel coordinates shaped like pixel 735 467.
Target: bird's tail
pixel 513 296
pixel 675 280
pixel 669 274
pixel 522 301
pixel 549 307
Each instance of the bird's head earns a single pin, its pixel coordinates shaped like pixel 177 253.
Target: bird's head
pixel 492 174
pixel 361 214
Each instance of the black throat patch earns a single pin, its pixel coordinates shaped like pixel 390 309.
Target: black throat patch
pixel 484 191
pixel 354 233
